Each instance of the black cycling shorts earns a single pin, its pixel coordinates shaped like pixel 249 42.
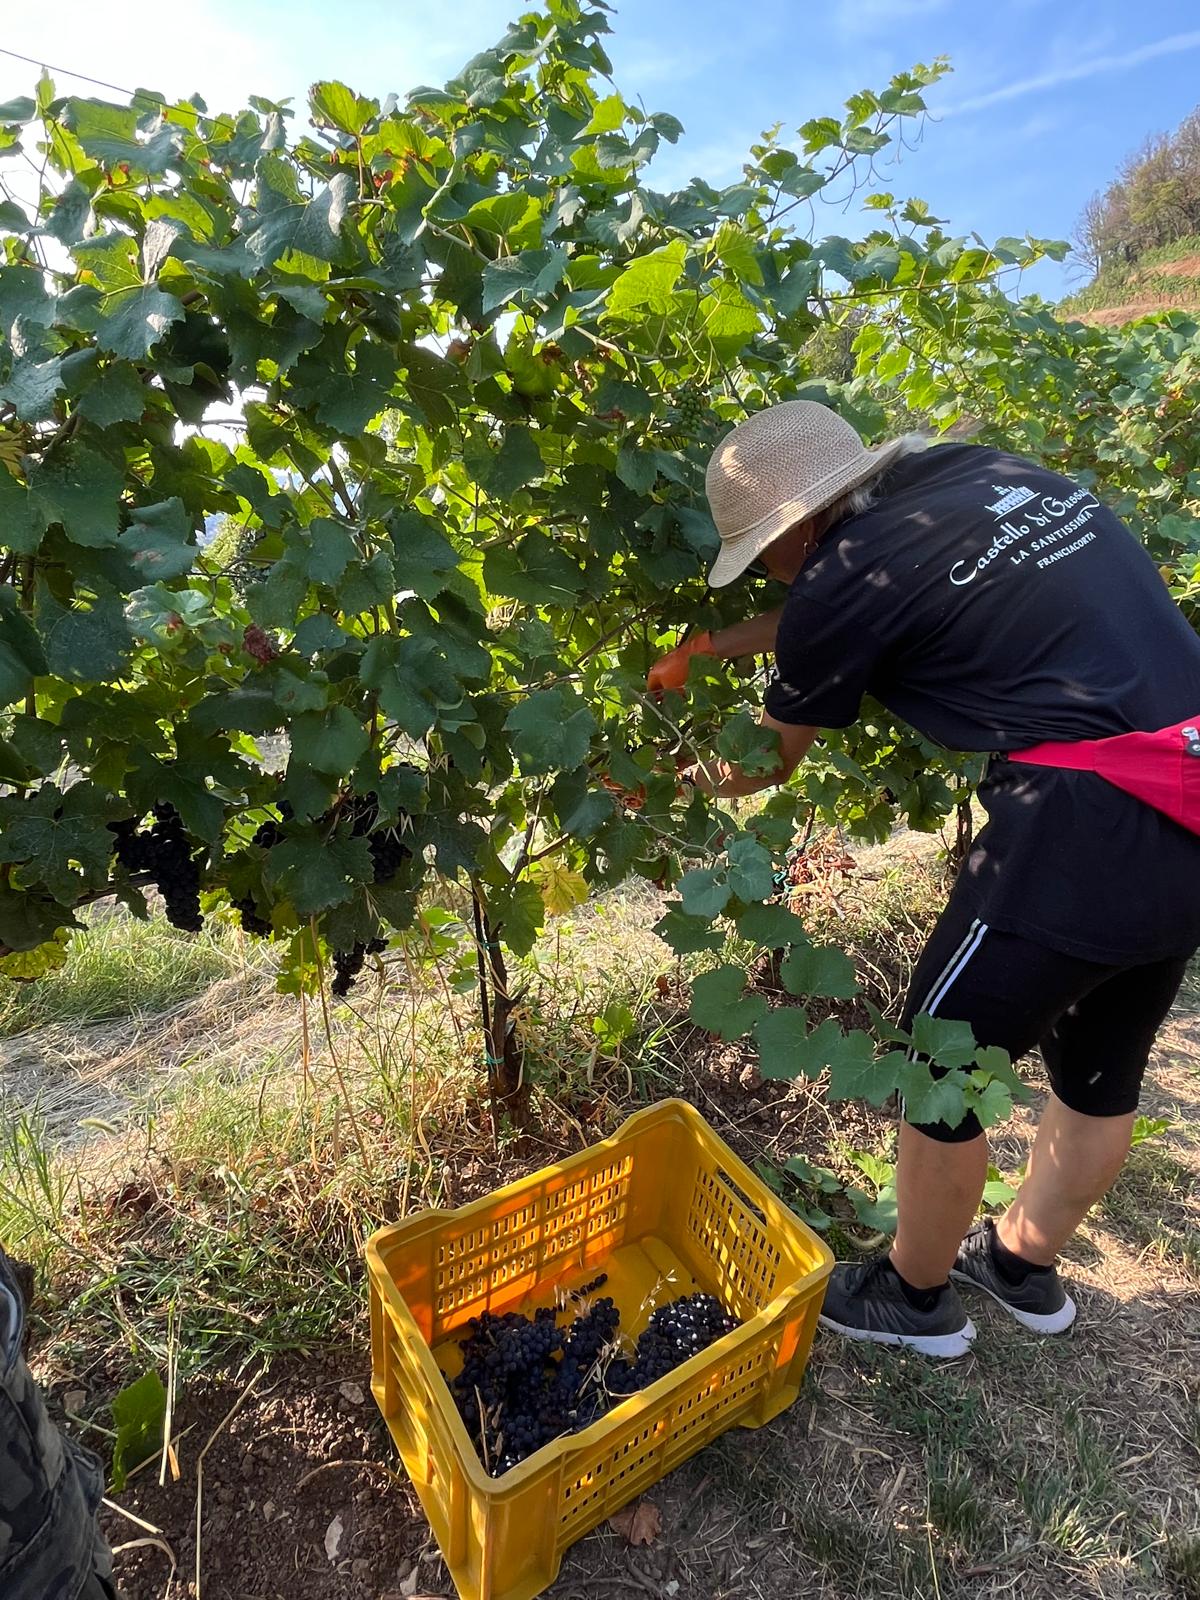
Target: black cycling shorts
pixel 1095 1025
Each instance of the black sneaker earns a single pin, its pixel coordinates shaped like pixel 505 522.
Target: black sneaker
pixel 868 1302
pixel 1039 1303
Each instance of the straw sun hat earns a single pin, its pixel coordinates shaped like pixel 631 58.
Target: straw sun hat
pixel 777 468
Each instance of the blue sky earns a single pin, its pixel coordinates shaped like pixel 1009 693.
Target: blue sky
pixel 1046 98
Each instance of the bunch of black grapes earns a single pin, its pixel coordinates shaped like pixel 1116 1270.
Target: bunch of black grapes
pixel 164 853
pixel 525 1381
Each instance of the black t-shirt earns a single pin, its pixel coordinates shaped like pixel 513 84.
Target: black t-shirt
pixel 992 605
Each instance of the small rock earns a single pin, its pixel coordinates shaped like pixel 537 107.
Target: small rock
pixel 360 1566
pixel 74 1400
pixel 352 1392
pixel 268 1510
pixel 333 1538
pixel 363 1497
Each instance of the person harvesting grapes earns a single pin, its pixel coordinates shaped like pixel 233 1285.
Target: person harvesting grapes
pixel 998 608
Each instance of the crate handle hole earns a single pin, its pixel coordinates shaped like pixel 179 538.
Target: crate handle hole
pixel 751 1206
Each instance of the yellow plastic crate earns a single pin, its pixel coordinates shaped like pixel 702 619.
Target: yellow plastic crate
pixel 666 1209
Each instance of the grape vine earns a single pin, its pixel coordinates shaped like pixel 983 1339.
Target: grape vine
pixel 468 363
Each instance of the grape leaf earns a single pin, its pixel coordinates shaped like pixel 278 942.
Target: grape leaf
pixel 21 521
pixel 782 1040
pixel 705 892
pixel 60 839
pixel 928 1099
pixel 315 872
pixel 772 926
pixel 22 657
pixel 519 913
pixel 647 283
pixel 84 645
pixel 810 969
pixel 561 888
pixel 949 1043
pixel 550 729
pixel 80 489
pixel 720 1004
pixel 139 1413
pixel 330 741
pixel 135 320
pixel 751 874
pixel 156 540
pixel 688 934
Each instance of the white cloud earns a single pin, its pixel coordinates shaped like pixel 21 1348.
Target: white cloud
pixel 1073 72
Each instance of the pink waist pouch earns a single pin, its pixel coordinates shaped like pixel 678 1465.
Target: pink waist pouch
pixel 1160 768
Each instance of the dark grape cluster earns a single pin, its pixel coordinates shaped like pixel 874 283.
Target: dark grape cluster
pixel 166 854
pixel 525 1381
pixel 347 964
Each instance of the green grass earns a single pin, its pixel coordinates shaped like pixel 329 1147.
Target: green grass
pixel 122 967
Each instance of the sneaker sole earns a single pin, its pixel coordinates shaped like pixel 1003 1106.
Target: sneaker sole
pixel 1036 1321
pixel 943 1346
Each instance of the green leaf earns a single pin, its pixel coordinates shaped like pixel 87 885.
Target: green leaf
pixel 637 467
pixel 502 472
pixel 751 872
pixel 135 320
pixel 647 283
pixel 687 934
pixel 854 1073
pixel 536 570
pixel 139 1413
pixel 412 680
pixel 21 522
pixel 550 730
pixel 85 644
pixel 928 1099
pixel 57 836
pixel 335 106
pixel 772 926
pixel 157 541
pixel 536 273
pixel 519 912
pixel 330 741
pixel 878 1213
pixel 783 1044
pixel 22 657
pixel 949 1043
pixel 79 489
pixel 308 229
pixel 330 550
pixel 992 1104
pixel 719 1004
pixel 315 872
pixel 818 970
pixel 736 250
pixel 422 558
pixel 705 892
pixel 31 387
pixel 348 401
pixel 117 395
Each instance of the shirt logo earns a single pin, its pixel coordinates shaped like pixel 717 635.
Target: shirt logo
pixel 1010 499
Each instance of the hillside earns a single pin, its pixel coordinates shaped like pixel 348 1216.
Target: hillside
pixel 1163 279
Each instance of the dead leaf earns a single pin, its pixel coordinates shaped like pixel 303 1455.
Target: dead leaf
pixel 639 1523
pixel 352 1392
pixel 333 1537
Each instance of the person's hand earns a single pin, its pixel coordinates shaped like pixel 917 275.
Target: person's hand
pixel 670 671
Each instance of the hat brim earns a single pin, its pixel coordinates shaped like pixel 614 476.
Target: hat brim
pixel 737 554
